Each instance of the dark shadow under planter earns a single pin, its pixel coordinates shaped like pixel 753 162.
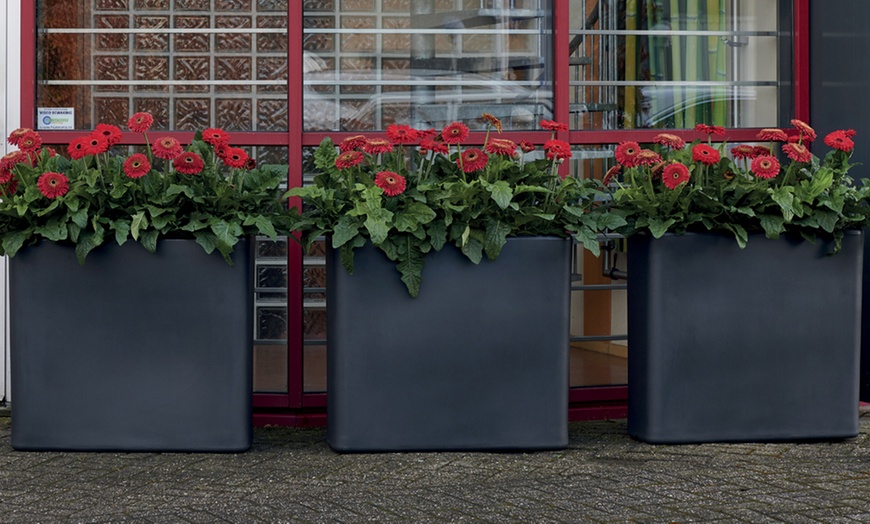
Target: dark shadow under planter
pixel 131 351
pixel 479 360
pixel 759 344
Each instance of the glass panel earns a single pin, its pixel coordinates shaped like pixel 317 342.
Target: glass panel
pixel 668 64
pixel 189 65
pixel 426 63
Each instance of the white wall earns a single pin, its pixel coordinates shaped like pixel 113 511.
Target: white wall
pixel 10 71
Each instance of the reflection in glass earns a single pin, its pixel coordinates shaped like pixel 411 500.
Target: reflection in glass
pixel 428 63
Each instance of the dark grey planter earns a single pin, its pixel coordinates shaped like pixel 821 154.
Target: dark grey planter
pixel 131 351
pixel 479 360
pixel 759 344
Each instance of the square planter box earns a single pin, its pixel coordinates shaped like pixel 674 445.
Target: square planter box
pixel 479 360
pixel 758 344
pixel 131 351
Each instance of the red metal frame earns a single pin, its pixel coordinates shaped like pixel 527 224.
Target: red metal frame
pixel 295 407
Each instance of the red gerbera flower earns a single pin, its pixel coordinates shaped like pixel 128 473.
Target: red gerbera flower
pixel 140 122
pixel 167 148
pixel 710 130
pixel 111 133
pixel 612 173
pixel 849 133
pixel 672 141
pixel 235 157
pixel 137 166
pixel 526 146
pixel 5 175
pixel 52 184
pixel 455 133
pixel 436 146
pixel 13 158
pixel 765 166
pixel 348 159
pixel 492 120
pixel 705 154
pixel 10 187
pixel 775 135
pixel 807 133
pixel 472 160
pixel 427 133
pixel 215 136
pixel 760 151
pixel 626 153
pixel 250 164
pixel 557 150
pixel 402 134
pixel 96 144
pixel 77 148
pixel 646 157
pixel 797 152
pixel 29 141
pixel 552 125
pixel 373 146
pixel 352 143
pixel 674 175
pixel 501 146
pixel 16 135
pixel 839 140
pixel 393 184
pixel 743 151
pixel 188 163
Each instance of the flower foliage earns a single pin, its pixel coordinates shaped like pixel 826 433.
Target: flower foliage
pixel 417 190
pixel 205 190
pixel 779 188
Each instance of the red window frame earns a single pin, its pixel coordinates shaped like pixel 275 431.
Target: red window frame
pixel 295 407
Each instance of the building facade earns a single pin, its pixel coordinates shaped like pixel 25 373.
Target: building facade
pixel 280 75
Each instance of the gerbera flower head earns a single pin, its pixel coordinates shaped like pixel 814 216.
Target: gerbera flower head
pixel 5 175
pixel 137 166
pixel 646 157
pixel 612 173
pixel 140 122
pixel 96 144
pixel 710 130
pixel 705 154
pixel 557 150
pixel 250 164
pixel 766 166
pixel 840 140
pixel 797 152
pixel 434 145
pixel 626 153
pixel 235 157
pixel 13 158
pixel 743 151
pixel 111 133
pixel 552 125
pixel 807 133
pixel 455 133
pixel 427 133
pixel 674 175
pixel 29 141
pixel 188 163
pixel 472 160
pixel 167 148
pixel 392 183
pixel 773 135
pixel 10 187
pixel 672 141
pixel 352 143
pixel 374 146
pixel 492 121
pixel 348 159
pixel 760 151
pixel 77 148
pixel 849 133
pixel 501 146
pixel 215 136
pixel 402 134
pixel 16 135
pixel 53 185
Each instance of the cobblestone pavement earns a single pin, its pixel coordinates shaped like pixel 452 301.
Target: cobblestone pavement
pixel 291 475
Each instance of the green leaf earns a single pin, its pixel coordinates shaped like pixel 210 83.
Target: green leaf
pixel 495 237
pixel 772 225
pixel 345 254
pixel 149 240
pixel 473 249
pixel 410 218
pixel 265 227
pixel 345 229
pixel 437 234
pixel 410 265
pixel 138 223
pixel 785 198
pixel 12 242
pixel 80 217
pixel 659 227
pixel 207 241
pixel 122 230
pixel 376 224
pixel 501 193
pixel 226 234
pixel 86 244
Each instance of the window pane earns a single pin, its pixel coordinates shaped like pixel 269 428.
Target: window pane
pixel 427 63
pixel 191 63
pixel 668 64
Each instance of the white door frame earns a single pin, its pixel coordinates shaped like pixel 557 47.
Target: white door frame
pixel 10 84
